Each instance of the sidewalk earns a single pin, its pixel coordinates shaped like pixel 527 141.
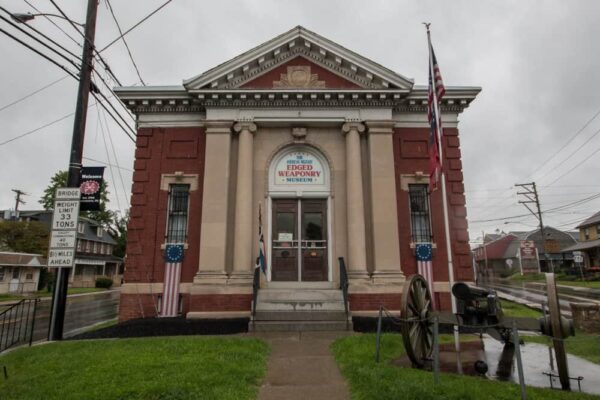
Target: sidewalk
pixel 301 366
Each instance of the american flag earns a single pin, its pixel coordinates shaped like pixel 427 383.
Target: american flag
pixel 425 266
pixel 261 260
pixel 435 94
pixel 170 298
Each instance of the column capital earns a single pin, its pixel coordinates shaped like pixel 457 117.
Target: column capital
pixel 351 125
pixel 244 125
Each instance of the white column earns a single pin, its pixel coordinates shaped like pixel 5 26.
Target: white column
pixel 355 205
pixel 215 200
pixel 242 249
pixel 386 251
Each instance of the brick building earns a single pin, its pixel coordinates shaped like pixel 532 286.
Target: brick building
pixel 329 147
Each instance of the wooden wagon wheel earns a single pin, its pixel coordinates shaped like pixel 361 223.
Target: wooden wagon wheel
pixel 417 328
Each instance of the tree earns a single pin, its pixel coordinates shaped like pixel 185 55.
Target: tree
pixel 105 217
pixel 118 231
pixel 24 237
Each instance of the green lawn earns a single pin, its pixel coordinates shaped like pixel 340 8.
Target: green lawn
pixel 584 345
pixel 152 368
pixel 370 380
pixel 45 293
pixel 559 280
pixel 512 309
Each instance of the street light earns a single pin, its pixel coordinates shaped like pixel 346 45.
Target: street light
pixel 24 17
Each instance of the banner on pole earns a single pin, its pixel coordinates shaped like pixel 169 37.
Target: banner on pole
pixel 90 184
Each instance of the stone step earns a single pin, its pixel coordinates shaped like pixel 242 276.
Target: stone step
pixel 298 326
pixel 300 316
pixel 292 306
pixel 299 295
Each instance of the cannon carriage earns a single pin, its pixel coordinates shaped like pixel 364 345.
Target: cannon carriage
pixel 480 310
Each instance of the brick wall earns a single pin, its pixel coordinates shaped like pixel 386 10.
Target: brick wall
pixel 162 151
pixel 221 302
pixel 411 155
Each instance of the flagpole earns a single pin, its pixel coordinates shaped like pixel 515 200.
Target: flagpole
pixel 444 196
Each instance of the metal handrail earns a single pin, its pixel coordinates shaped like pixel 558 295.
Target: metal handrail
pixel 344 283
pixel 18 322
pixel 255 287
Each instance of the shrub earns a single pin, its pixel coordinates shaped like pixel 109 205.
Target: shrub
pixel 104 282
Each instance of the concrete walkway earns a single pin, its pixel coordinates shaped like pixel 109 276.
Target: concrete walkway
pixel 301 366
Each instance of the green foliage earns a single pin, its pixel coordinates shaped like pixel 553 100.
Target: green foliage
pixel 118 231
pixel 150 368
pixel 57 181
pixel 104 216
pixel 382 381
pixel 104 282
pixel 24 237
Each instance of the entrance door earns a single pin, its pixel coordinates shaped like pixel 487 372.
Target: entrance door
pixel 299 240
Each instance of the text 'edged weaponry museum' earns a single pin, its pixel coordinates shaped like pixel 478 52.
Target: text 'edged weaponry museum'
pixel 329 148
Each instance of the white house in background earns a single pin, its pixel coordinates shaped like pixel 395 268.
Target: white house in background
pixel 20 272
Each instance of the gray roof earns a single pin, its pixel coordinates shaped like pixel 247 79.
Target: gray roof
pixel 594 219
pixel 583 246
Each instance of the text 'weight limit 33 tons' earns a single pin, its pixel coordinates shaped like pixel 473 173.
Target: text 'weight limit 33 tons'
pixel 64 228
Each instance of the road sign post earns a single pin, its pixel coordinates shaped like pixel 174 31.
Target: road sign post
pixel 61 253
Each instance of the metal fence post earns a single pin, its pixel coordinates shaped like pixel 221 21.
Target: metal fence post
pixel 378 344
pixel 436 350
pixel 519 361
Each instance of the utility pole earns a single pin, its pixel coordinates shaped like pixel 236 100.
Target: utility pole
pixel 530 196
pixel 18 201
pixel 59 296
pixel 487 270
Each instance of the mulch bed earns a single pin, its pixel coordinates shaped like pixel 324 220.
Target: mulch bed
pixel 145 327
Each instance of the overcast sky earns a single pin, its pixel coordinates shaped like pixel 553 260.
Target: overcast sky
pixel 537 62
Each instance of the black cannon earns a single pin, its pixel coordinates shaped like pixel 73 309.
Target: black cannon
pixel 479 310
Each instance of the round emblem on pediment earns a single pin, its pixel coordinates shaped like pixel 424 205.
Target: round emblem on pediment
pixel 299 76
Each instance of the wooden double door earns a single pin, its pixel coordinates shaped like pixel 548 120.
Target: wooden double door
pixel 299 240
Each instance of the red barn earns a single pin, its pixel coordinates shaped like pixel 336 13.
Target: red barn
pixel 328 147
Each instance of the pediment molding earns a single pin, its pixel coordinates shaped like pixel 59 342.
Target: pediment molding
pixel 299 42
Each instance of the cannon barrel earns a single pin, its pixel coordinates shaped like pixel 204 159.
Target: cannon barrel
pixel 464 292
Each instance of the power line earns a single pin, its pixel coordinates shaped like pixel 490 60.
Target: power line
pixel 36 129
pixel 33 93
pixel 40 53
pixel 568 142
pixel 41 42
pixel 112 175
pixel 575 167
pixel 116 162
pixel 107 163
pixel 53 23
pixel 102 61
pixel 135 26
pixel 125 42
pixel 571 154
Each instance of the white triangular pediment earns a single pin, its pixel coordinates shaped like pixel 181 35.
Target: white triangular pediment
pixel 299 42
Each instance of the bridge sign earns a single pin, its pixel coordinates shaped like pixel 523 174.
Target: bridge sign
pixel 61 253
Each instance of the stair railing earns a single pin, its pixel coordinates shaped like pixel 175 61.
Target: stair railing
pixel 255 287
pixel 17 323
pixel 344 283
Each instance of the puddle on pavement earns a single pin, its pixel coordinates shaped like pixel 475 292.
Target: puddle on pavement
pixel 502 364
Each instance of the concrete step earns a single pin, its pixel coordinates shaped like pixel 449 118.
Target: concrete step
pixel 295 306
pixel 300 315
pixel 300 295
pixel 298 326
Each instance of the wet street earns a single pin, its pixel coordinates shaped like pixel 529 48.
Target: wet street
pixel 82 310
pixel 536 294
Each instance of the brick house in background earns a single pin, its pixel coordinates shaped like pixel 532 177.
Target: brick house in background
pixel 93 255
pixel 329 147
